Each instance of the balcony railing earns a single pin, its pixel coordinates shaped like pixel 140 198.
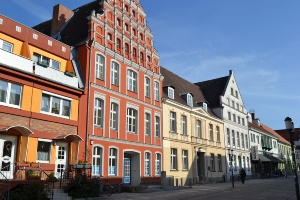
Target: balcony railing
pixel 10 60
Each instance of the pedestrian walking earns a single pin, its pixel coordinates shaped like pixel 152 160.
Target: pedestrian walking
pixel 243 175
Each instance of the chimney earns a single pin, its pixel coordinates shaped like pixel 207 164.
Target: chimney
pixel 230 72
pixel 60 16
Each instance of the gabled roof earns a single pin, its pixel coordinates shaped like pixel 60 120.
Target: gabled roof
pixel 75 30
pixel 213 89
pixel 182 86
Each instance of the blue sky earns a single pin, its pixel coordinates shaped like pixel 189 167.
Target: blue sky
pixel 204 39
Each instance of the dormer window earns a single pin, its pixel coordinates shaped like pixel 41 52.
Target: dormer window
pixel 171 92
pixel 204 106
pixel 189 100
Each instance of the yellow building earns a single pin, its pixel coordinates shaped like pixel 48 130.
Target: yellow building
pixel 193 137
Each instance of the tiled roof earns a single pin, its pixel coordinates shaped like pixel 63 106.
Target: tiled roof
pixel 212 89
pixel 182 86
pixel 285 134
pixel 76 28
pixel 282 139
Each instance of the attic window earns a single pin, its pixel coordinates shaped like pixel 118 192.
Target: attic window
pixel 236 94
pixel 205 106
pixel 189 100
pixel 63 49
pixel 171 92
pixel 1 21
pixel 18 28
pixel 35 36
pixel 49 42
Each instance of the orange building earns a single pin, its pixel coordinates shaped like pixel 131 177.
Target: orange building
pixel 122 90
pixel 39 99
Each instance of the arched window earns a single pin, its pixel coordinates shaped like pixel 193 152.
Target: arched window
pixel 134 52
pixel 126 48
pixel 118 43
pixel 97 161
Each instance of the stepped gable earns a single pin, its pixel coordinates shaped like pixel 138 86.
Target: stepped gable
pixel 78 22
pixel 213 89
pixel 182 86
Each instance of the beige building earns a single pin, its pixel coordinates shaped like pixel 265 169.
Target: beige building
pixel 193 137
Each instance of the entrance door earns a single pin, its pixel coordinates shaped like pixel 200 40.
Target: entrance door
pixel 61 158
pixel 7 156
pixel 198 165
pixel 126 178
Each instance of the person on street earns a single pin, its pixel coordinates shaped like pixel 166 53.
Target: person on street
pixel 243 175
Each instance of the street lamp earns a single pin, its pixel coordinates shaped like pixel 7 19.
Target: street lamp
pixel 230 158
pixel 289 125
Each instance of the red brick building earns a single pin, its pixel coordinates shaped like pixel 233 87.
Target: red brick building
pixel 122 108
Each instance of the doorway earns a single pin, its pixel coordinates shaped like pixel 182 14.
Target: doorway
pixel 7 155
pixel 61 158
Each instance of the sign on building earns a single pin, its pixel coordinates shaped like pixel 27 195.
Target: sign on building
pixel 254 152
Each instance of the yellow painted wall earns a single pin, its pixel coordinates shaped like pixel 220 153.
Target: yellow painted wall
pixel 26 98
pixel 36 100
pixel 74 113
pixel 32 150
pixel 63 62
pixel 17 44
pixel 53 154
pixel 23 148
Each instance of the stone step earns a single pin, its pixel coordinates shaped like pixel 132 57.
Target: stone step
pixel 59 194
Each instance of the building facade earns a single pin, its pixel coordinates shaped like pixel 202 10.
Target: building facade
pixel 193 145
pixel 225 99
pixel 121 71
pixel 39 102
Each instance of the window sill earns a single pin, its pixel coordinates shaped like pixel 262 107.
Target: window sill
pixel 132 133
pixel 98 126
pixel 174 170
pixel 212 171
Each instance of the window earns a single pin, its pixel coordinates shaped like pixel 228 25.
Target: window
pixel 219 162
pixel 274 144
pixel 114 73
pixel 243 140
pixel 10 93
pixel 6 46
pixel 148 58
pixel 147 87
pixel 212 162
pixel 118 43
pixel 243 121
pixel 173 159
pixel 190 100
pixel 171 92
pixel 109 36
pixel 134 31
pixel 233 138
pixel 133 13
pixel 234 160
pixel 257 137
pixel 238 139
pixel 183 125
pixel 198 128
pixel 114 116
pixel 229 116
pixel 134 52
pixel 43 151
pixel 147 163
pixel 147 124
pixel 98 112
pixel 97 161
pixel 246 141
pixel 157 164
pixel 234 119
pixel 236 94
pixel 228 136
pixel 156 91
pixel 55 105
pixel 211 132
pixel 131 120
pixel 232 103
pixel 231 91
pixel 118 22
pixel 141 36
pixel 112 167
pixel 172 122
pixel 184 160
pixel 253 138
pixel 157 126
pixel 218 134
pixel 100 66
pixel 126 48
pixel 244 162
pixel 239 120
pixel 141 56
pixel 248 163
pixel 131 81
pixel 237 106
pixel 45 61
pixel 126 8
pixel 126 27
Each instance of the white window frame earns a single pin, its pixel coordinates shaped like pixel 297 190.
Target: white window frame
pixel 174 159
pixel 131 120
pixel 113 155
pixel 115 73
pixel 8 44
pixel 243 140
pixel 8 94
pixel 147 87
pixel 50 61
pixel 171 92
pixel 198 128
pixel 147 124
pixel 98 120
pixel 157 164
pixel 218 134
pixel 184 156
pixel 147 167
pixel 100 66
pixel 131 80
pixel 114 115
pixel 233 137
pixel 49 152
pixel 156 91
pixel 183 125
pixel 211 132
pixel 94 160
pixel 219 162
pixel 157 126
pixel 173 121
pixel 62 99
pixel 238 139
pixel 228 136
pixel 212 162
pixel 189 100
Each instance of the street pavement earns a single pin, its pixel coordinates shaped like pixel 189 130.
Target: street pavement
pixel 280 188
